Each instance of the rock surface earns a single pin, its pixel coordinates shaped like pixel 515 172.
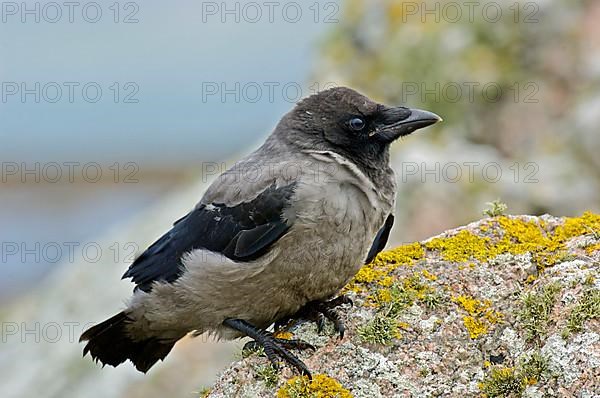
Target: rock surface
pixel 504 307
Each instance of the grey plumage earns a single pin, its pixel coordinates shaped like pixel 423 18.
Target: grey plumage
pixel 290 224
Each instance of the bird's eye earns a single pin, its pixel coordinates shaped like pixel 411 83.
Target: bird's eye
pixel 356 123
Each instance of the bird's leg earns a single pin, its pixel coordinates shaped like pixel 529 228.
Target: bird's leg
pixel 319 311
pixel 273 346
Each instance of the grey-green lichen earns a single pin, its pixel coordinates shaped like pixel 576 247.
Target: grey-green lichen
pixel 536 306
pixel 588 308
pixel 535 366
pixel 382 329
pixel 503 382
pixel 268 374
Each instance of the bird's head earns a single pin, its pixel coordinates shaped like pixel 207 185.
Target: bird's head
pixel 344 121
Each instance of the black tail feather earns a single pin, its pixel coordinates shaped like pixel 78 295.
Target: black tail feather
pixel 109 343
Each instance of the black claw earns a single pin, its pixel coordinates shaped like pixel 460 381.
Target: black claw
pixel 269 352
pixel 334 317
pixel 318 311
pixel 274 347
pixel 320 322
pixel 339 327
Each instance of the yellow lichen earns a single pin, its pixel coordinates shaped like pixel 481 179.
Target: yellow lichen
pixel 379 270
pixel 515 235
pixel 522 236
pixel 592 248
pixel 493 317
pixel 387 281
pixel 321 386
pixel 403 325
pixel 461 247
pixel 475 327
pixel 283 334
pixel 588 223
pixel 589 280
pixel 383 296
pixel 368 274
pixel 405 254
pixel 478 308
pixel 398 334
pixel 429 275
pixel 547 247
pixel 471 305
pixel 481 315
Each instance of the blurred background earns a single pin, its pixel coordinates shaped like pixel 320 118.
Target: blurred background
pixel 114 116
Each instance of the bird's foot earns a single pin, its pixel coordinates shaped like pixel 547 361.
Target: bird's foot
pixel 274 347
pixel 290 344
pixel 319 311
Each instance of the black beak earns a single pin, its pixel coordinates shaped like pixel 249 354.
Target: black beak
pixel 398 122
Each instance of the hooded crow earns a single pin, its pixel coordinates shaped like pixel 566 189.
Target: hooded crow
pixel 275 237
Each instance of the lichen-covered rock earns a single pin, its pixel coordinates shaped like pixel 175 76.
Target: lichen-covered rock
pixel 504 307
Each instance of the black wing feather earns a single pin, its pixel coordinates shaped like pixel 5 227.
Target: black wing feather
pixel 250 242
pixel 380 239
pixel 242 233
